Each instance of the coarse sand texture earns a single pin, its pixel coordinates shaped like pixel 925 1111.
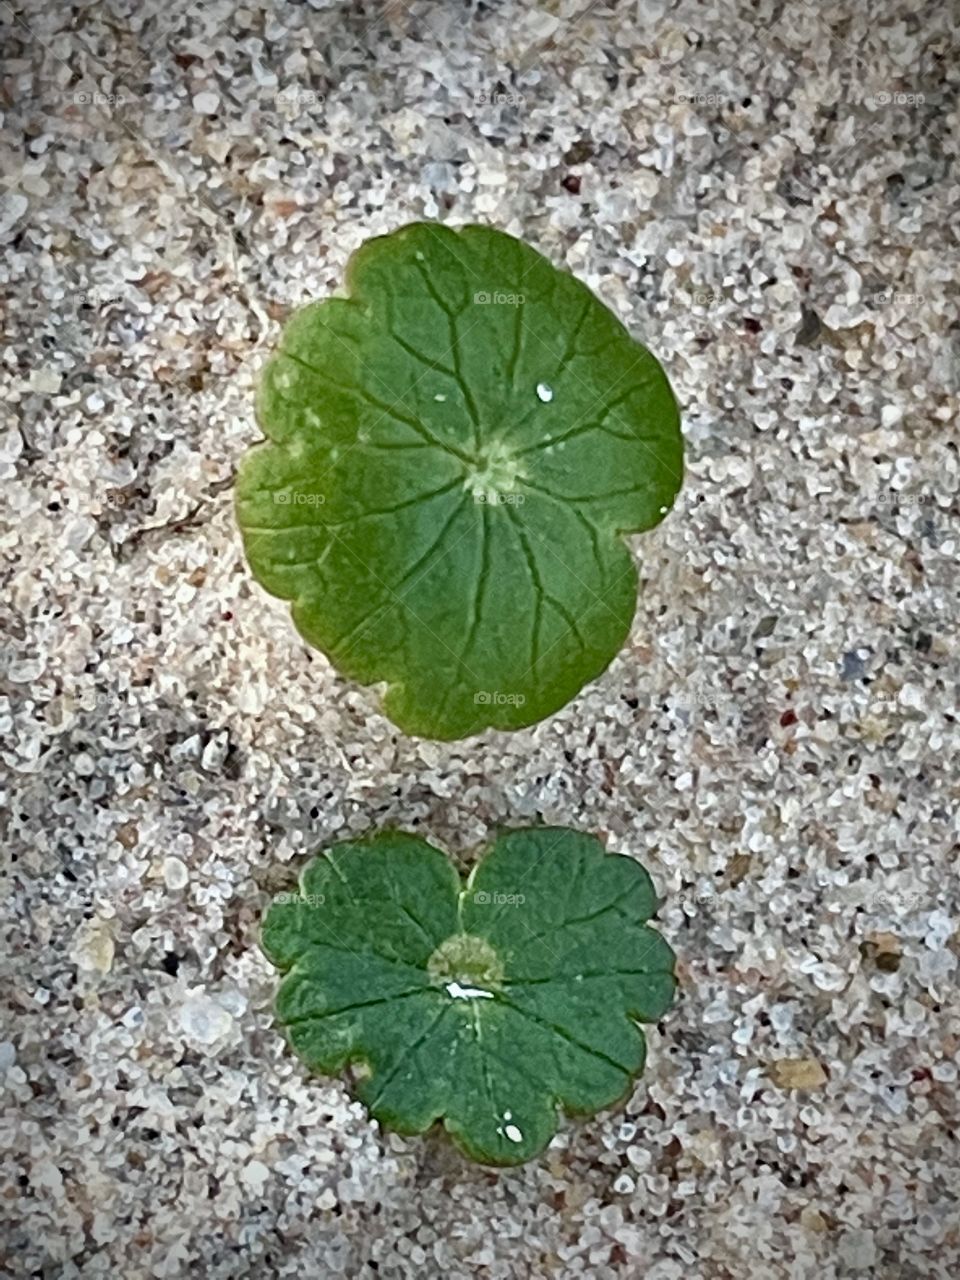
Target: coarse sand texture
pixel 767 197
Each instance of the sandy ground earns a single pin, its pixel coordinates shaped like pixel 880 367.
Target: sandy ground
pixel 768 195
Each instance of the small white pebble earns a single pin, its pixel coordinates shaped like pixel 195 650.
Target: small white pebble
pixel 27 670
pixel 175 874
pixel 11 445
pixel 912 695
pixel 793 237
pixel 12 208
pixel 204 1021
pixel 46 380
pixel 206 103
pixel 215 752
pixel 254 1175
pixel 48 1176
pixel 829 977
pixel 781 1017
pixel 638 1156
pixel 84 765
pixel 544 392
pixel 92 949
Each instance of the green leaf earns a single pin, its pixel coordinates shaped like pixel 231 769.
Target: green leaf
pixel 456 450
pixel 484 1005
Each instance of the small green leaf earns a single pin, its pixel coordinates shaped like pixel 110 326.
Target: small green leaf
pixel 485 1005
pixel 456 450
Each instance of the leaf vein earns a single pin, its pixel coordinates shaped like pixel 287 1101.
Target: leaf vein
pixel 320 1014
pixel 407 1052
pixel 563 1034
pixel 538 584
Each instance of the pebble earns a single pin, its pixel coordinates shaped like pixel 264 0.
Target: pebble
pixel 204 1021
pixel 206 103
pixel 175 873
pixel 11 445
pixel 798 1073
pixel 255 1175
pixel 13 205
pixel 93 947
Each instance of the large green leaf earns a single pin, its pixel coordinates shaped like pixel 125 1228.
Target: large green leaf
pixel 455 451
pixel 483 1005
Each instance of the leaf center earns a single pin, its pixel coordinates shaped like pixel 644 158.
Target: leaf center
pixel 496 472
pixel 467 966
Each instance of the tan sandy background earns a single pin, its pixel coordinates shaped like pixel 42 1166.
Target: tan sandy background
pixel 765 193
